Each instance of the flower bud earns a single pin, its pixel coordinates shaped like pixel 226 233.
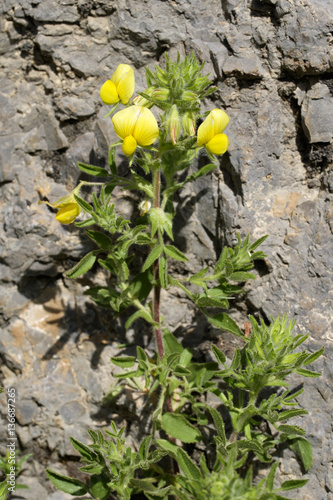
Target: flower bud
pixel 144 207
pixel 174 124
pixel 139 100
pixel 188 123
pixel 188 95
pixel 161 94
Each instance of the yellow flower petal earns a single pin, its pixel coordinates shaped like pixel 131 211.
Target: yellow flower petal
pixel 214 124
pixel 124 121
pixel 218 145
pixel 205 131
pixel 129 145
pixel 68 213
pixel 146 128
pixel 124 80
pixel 108 93
pixel 220 120
pixel 138 122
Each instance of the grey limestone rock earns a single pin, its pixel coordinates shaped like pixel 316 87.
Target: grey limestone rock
pixel 271 61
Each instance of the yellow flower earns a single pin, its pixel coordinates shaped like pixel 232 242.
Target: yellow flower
pixel 120 87
pixel 210 132
pixel 135 125
pixel 68 213
pixel 68 208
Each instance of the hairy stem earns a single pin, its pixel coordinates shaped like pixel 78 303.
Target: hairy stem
pixel 157 288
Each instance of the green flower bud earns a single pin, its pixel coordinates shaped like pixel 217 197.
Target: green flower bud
pixel 188 123
pixel 173 124
pixel 188 95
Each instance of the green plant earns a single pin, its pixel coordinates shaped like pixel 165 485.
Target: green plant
pixel 250 390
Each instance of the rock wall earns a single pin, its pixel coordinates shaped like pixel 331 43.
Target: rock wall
pixel 272 61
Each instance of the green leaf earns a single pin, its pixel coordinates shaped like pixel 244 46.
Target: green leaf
pixel 291 429
pixel 84 450
pixel 99 487
pixel 271 476
pixel 218 422
pixel 67 484
pixel 258 242
pixel 83 266
pixel 139 314
pixel 188 467
pixel 285 415
pixel 224 322
pixel 85 223
pixel 219 355
pixel 174 253
pixel 307 373
pixel 112 161
pixel 93 170
pixel 178 427
pixel 154 255
pixel 168 446
pixel 241 276
pixel 101 239
pixel 163 272
pixel 292 484
pixel 141 285
pixel 171 344
pixel 303 450
pixel 83 204
pixel 124 361
pixel 313 357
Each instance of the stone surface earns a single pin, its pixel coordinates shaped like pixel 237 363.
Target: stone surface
pixel 272 62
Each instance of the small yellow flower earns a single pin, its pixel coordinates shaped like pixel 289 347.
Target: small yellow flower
pixel 210 132
pixel 68 213
pixel 120 87
pixel 68 208
pixel 135 125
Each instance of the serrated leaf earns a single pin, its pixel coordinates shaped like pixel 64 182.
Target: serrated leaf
pixel 93 170
pixel 67 484
pixel 224 322
pixel 83 266
pixel 154 255
pixel 292 484
pixel 174 253
pixel 123 361
pixel 178 427
pixel 303 450
pixel 188 467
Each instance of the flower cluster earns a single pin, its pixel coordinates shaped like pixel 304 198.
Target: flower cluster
pixel 177 95
pixel 177 91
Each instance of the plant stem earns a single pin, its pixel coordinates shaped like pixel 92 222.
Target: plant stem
pixel 157 288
